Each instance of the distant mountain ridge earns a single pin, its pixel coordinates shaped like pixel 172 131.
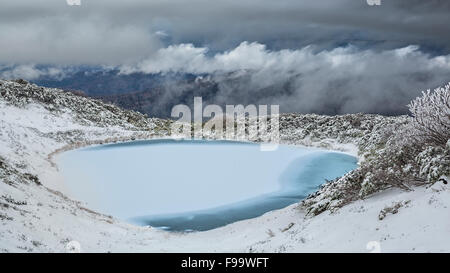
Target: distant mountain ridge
pixel 156 94
pixel 110 82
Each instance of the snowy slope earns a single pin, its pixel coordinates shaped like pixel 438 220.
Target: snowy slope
pixel 37 216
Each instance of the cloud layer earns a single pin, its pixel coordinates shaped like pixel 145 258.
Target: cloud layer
pixel 328 56
pixel 113 32
pixel 342 80
pixel 336 81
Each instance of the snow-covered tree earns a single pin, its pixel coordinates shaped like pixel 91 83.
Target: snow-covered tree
pixel 407 152
pixel 431 113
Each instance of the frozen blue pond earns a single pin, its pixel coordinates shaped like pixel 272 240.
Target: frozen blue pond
pixel 195 184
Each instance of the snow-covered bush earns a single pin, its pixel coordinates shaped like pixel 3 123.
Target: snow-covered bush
pixel 434 162
pixel 410 151
pixel 414 153
pixel 431 113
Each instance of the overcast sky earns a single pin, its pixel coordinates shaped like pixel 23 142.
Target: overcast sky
pixel 116 32
pixel 364 54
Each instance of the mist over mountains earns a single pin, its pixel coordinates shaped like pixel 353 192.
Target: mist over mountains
pixel 325 57
pixel 307 80
pixel 156 94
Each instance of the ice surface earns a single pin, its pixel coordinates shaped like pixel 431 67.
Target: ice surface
pixel 195 185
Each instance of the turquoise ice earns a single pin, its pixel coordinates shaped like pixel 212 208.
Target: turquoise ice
pixel 195 184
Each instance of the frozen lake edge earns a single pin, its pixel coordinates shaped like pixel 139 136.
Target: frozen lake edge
pixel 228 180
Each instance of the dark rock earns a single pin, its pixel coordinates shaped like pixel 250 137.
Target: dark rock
pixel 21 81
pixel 33 178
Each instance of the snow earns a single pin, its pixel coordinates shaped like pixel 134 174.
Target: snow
pixel 39 218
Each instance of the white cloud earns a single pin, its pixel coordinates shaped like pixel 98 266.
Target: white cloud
pixel 161 33
pixel 341 80
pixel 30 72
pixel 348 79
pixel 187 58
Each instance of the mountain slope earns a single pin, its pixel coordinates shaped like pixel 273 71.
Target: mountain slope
pixel 36 214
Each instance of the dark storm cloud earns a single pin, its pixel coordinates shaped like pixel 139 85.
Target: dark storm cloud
pixel 117 32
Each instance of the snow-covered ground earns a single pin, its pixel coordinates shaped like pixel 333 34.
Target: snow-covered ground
pixel 36 216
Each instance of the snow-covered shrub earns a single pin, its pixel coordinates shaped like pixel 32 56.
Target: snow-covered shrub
pixel 415 152
pixel 433 162
pixel 334 194
pixel 393 209
pixel 393 164
pixel 431 113
pixel 11 175
pixel 408 151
